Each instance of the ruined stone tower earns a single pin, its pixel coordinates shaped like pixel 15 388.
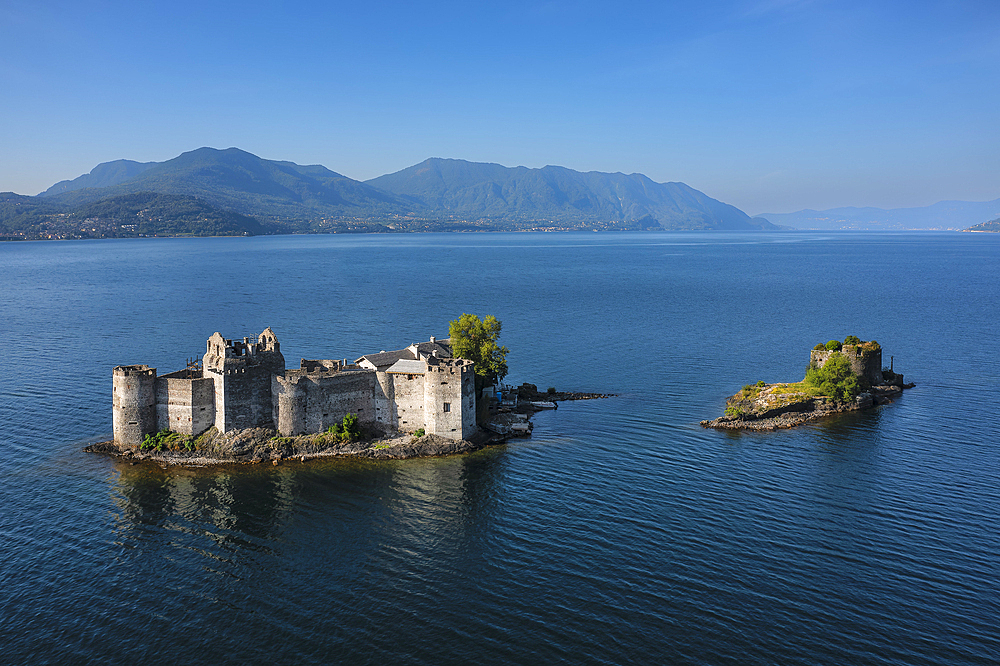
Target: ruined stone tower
pixel 865 359
pixel 133 403
pixel 242 372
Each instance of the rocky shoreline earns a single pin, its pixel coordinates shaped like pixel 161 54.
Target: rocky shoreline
pixel 262 445
pixel 530 393
pixel 772 409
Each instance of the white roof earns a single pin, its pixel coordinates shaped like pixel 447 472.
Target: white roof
pixel 405 366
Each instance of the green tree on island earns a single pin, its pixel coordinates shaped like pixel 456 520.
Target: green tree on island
pixel 835 378
pixel 475 339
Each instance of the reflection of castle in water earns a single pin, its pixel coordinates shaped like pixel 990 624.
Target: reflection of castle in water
pixel 348 510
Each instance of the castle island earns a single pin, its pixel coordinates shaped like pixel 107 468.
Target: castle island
pixel 240 398
pixel 841 377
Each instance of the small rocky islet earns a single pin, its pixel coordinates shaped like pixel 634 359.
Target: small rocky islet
pixel 841 377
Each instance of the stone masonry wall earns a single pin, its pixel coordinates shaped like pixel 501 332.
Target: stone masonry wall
pixel 449 399
pixel 409 393
pixel 185 402
pixel 310 402
pixel 242 397
pixel 133 403
pixel 385 400
pixel 469 425
pixel 867 365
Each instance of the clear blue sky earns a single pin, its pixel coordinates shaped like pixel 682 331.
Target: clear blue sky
pixel 771 105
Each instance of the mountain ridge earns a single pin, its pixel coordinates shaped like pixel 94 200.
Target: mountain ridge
pixel 244 183
pixel 105 174
pixel 484 189
pixel 436 189
pixel 455 194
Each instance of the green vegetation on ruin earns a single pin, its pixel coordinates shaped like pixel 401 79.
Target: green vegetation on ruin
pixel 835 379
pixel 347 430
pixel 475 339
pixel 168 440
pixel 859 345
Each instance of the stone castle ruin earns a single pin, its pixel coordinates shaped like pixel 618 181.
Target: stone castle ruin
pixel 243 384
pixel 865 359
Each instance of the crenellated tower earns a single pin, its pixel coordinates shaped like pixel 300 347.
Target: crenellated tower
pixel 133 403
pixel 242 371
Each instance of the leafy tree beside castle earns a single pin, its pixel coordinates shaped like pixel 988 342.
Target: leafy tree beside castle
pixel 475 339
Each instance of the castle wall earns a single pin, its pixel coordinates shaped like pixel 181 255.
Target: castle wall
pixel 867 364
pixel 310 402
pixel 408 390
pixel 469 425
pixel 385 400
pixel 185 402
pixel 133 403
pixel 449 399
pixel 244 384
pixel 242 397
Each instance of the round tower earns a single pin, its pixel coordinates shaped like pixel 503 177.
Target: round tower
pixel 133 403
pixel 289 405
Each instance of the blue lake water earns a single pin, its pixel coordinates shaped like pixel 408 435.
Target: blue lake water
pixel 621 532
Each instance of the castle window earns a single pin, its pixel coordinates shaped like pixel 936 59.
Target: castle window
pixel 447 406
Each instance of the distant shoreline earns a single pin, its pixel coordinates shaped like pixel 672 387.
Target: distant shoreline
pixel 8 239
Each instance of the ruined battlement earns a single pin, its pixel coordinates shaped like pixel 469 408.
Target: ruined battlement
pixel 325 365
pixel 134 371
pixel 435 364
pixel 227 356
pixel 244 384
pixel 267 341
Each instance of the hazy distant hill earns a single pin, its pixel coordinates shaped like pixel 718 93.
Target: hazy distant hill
pixel 154 214
pixel 477 190
pixel 102 175
pixel 237 180
pixel 992 225
pixel 18 211
pixel 128 215
pixel 942 215
pixel 437 195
